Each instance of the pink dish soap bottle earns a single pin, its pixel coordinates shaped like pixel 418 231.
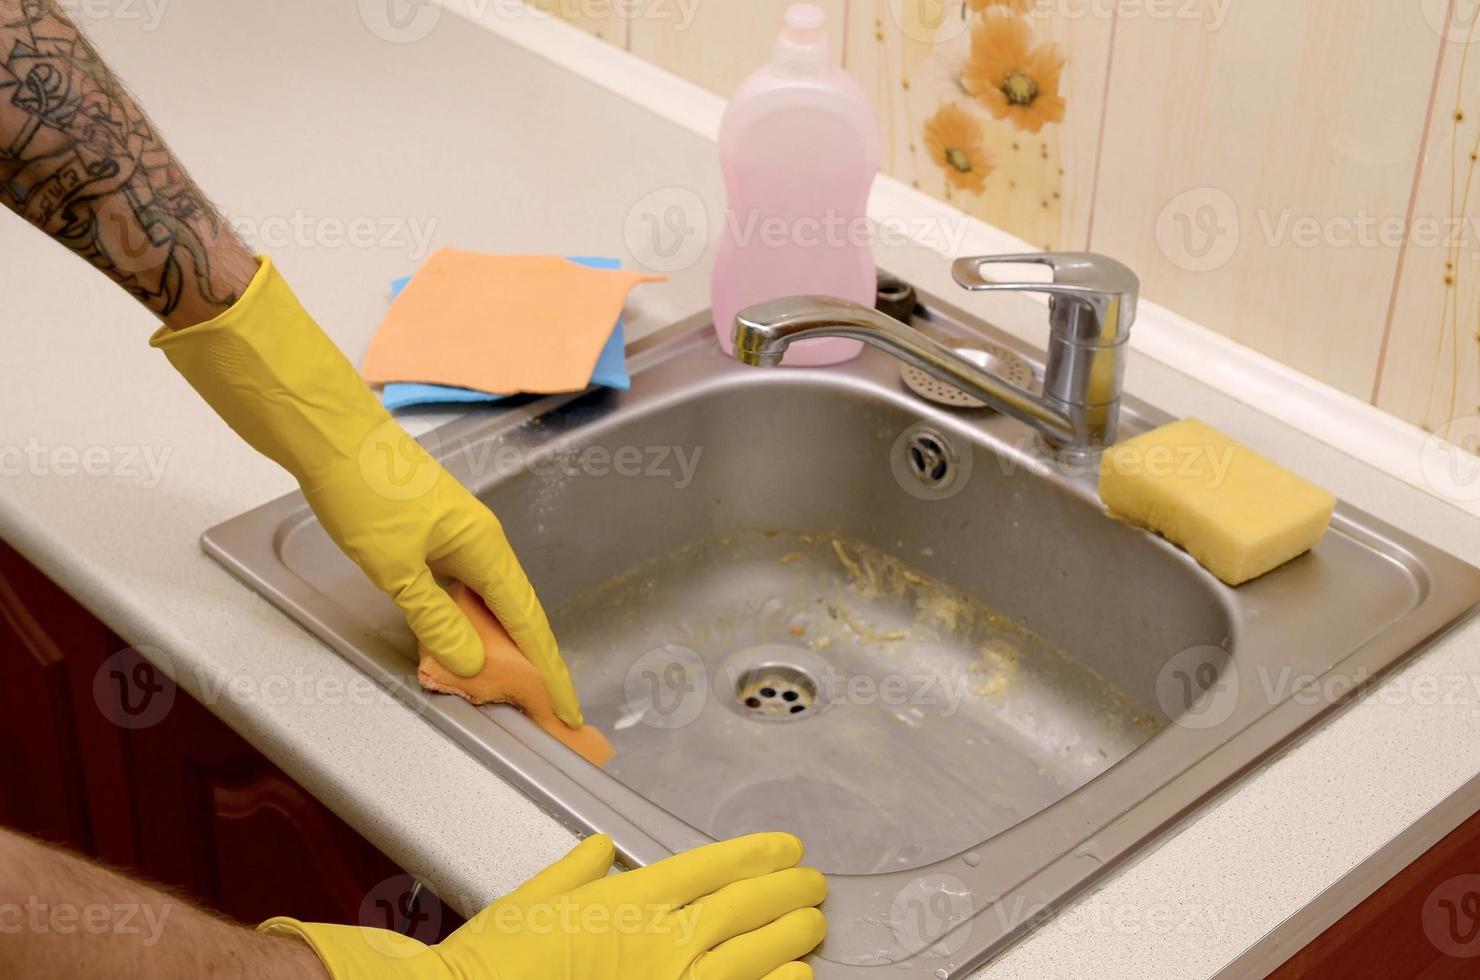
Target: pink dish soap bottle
pixel 799 147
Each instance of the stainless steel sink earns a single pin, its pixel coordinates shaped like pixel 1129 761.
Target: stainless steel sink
pixel 810 600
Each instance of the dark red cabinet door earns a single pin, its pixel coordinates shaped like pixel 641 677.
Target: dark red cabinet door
pixel 103 754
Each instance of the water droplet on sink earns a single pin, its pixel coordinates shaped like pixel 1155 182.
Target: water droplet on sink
pixel 911 716
pixel 973 860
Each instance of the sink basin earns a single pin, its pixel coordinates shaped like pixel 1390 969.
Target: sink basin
pixel 811 600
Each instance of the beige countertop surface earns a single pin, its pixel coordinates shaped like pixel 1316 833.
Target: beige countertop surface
pixel 348 157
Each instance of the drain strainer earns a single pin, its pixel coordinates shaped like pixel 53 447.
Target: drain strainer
pixel 999 360
pixel 776 692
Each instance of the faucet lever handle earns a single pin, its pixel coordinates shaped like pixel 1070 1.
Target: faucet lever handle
pixel 1085 277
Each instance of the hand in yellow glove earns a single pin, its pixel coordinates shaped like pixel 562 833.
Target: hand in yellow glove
pixel 736 910
pixel 273 376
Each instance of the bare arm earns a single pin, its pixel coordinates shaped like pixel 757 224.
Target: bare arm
pixel 62 917
pixel 81 161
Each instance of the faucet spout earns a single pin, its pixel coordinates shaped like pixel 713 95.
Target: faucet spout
pixel 1092 304
pixel 763 332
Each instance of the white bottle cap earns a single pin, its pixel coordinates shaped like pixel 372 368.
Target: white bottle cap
pixel 803 44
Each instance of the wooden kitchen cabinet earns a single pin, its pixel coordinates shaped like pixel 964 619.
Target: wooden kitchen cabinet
pixel 103 754
pixel 44 772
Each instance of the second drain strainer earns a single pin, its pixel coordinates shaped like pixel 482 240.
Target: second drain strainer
pixel 999 360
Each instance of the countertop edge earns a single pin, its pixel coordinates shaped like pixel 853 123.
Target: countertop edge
pixel 1355 887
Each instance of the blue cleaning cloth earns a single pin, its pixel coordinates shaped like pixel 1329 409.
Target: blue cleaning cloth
pixel 610 370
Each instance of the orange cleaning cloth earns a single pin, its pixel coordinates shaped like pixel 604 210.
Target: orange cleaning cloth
pixel 499 324
pixel 507 677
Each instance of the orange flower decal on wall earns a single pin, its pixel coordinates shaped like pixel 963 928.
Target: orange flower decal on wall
pixel 1013 78
pixel 955 143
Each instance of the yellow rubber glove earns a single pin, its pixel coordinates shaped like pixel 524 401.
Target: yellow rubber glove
pixel 273 376
pixel 736 910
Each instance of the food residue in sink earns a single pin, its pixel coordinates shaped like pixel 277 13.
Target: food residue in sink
pixel 933 708
pixel 870 615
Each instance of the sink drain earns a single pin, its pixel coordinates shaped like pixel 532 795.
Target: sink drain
pixel 776 692
pixel 930 458
pixel 928 465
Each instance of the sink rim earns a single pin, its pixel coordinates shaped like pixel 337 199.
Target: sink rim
pixel 514 748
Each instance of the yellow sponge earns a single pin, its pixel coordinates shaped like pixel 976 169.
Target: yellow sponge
pixel 1233 510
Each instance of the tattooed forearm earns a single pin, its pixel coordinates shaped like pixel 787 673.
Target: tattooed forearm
pixel 81 161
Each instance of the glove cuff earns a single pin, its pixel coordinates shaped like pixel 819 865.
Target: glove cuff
pixel 358 953
pixel 276 378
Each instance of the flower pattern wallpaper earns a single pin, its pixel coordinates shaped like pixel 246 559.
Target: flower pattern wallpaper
pixel 985 105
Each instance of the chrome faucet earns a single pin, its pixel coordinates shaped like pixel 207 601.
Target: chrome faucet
pixel 1092 304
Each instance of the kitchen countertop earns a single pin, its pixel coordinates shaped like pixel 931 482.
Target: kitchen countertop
pixel 347 156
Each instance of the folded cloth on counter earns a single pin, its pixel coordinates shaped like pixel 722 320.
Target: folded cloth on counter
pixel 500 324
pixel 610 371
pixel 508 677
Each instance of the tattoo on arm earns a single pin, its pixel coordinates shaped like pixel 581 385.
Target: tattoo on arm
pixel 81 161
